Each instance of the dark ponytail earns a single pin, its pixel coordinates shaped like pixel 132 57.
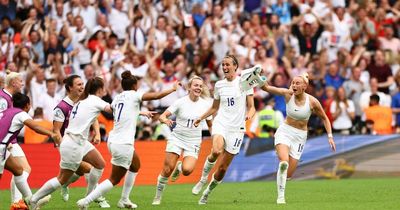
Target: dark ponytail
pixel 128 80
pixel 92 86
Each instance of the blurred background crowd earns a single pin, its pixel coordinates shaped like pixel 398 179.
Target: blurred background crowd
pixel 350 48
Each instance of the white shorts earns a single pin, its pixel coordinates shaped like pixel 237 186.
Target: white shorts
pixel 72 152
pixel 177 146
pixel 4 154
pixel 121 154
pixel 16 150
pixel 233 139
pixel 294 138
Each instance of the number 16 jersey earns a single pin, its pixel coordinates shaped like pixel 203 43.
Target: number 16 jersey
pixel 126 108
pixel 232 107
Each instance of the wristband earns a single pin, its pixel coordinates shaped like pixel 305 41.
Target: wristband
pixel 330 135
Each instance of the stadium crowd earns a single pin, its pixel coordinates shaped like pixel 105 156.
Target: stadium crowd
pixel 349 48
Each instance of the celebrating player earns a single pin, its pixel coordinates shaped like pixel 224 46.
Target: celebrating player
pixel 234 106
pixel 291 136
pixel 126 109
pixel 14 85
pixel 185 137
pixel 12 121
pixel 74 87
pixel 75 145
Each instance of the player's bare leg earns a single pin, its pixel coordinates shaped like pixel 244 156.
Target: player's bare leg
pixel 84 168
pixel 226 159
pixel 216 151
pixel 162 180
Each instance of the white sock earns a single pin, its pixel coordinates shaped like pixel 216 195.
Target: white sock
pixel 21 183
pixel 86 175
pixel 48 187
pixel 72 179
pixel 100 190
pixel 128 184
pixel 281 178
pixel 179 167
pixel 94 177
pixel 161 183
pixel 206 169
pixel 213 184
pixel 15 193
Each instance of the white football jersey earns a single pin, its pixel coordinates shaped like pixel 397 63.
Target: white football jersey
pixel 186 112
pixel 232 107
pixel 83 114
pixel 126 108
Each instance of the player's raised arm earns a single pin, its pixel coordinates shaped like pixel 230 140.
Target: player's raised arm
pixel 162 94
pixel 319 111
pixel 277 91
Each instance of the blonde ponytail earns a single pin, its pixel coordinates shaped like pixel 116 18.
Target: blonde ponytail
pixel 305 77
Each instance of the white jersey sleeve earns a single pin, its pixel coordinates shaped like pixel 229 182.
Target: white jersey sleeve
pixel 216 92
pixel 58 115
pixel 174 107
pixel 3 104
pixel 18 121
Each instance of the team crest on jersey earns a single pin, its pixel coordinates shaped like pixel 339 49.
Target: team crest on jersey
pixel 59 113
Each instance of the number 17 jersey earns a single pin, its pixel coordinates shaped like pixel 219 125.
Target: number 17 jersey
pixel 232 107
pixel 126 108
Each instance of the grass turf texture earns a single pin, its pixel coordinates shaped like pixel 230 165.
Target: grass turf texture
pixel 317 194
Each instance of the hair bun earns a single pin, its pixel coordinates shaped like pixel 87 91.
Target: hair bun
pixel 305 76
pixel 126 75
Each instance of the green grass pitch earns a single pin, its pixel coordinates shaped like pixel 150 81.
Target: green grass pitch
pixel 317 194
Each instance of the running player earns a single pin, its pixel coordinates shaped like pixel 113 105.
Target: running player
pixel 14 84
pixel 126 109
pixel 234 106
pixel 75 145
pixel 185 137
pixel 74 88
pixel 12 121
pixel 291 136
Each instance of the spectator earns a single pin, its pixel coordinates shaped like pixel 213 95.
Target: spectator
pixel 354 87
pixel 267 120
pixel 363 31
pixel 49 100
pixel 381 116
pixel 381 71
pixel 30 136
pixel 384 100
pixel 118 18
pixel 333 78
pixel 343 113
pixel 307 38
pixel 389 42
